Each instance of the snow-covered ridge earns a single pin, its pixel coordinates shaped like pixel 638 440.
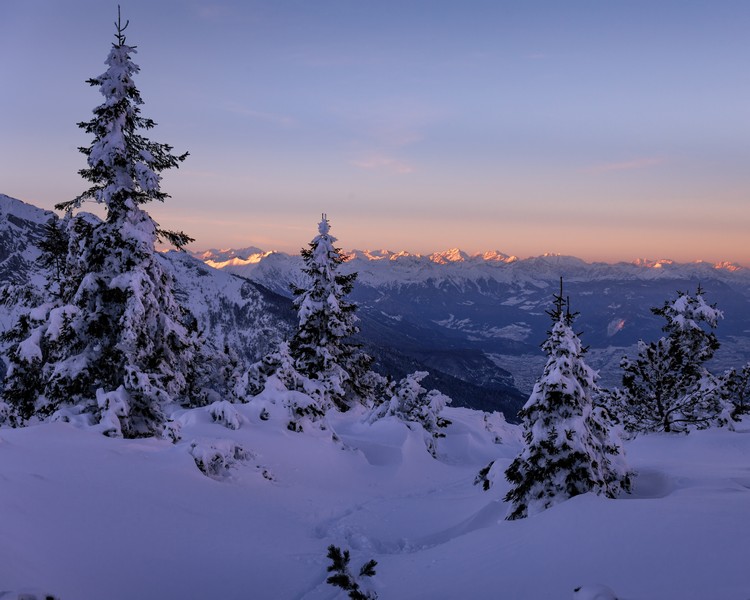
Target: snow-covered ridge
pixel 253 255
pixel 16 208
pixel 386 267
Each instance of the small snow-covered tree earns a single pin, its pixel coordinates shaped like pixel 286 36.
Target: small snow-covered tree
pixel 412 403
pixel 569 446
pixel 278 368
pixel 666 386
pixel 735 391
pixel 322 347
pixel 111 341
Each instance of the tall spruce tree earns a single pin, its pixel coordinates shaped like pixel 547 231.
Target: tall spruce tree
pixel 569 445
pixel 322 347
pixel 667 387
pixel 112 343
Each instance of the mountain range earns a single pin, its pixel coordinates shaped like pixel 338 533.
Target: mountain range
pixel 482 315
pixel 475 322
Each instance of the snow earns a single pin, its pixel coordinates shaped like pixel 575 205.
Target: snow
pixel 387 268
pixel 91 517
pixel 20 210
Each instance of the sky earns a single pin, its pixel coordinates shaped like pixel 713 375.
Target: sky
pixel 605 130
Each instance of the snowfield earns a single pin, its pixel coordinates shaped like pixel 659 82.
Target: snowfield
pixel 89 517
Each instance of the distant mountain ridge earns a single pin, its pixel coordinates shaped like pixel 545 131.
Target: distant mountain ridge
pixel 378 267
pixel 493 305
pixel 252 254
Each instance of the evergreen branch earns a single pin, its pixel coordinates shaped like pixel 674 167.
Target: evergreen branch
pixel 178 239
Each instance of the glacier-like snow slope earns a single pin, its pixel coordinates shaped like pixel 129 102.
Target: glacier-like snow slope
pixel 86 517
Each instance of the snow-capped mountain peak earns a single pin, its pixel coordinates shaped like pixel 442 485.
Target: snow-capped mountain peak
pixel 668 263
pixel 453 255
pixel 238 261
pixel 227 253
pixel 496 256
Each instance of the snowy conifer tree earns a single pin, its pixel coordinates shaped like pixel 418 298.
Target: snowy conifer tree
pixel 735 391
pixel 412 403
pixel 113 343
pixel 322 347
pixel 569 448
pixel 666 387
pixel 278 368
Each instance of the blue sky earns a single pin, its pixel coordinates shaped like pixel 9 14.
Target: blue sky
pixel 609 130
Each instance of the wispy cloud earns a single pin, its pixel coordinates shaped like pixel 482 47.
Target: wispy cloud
pixel 277 119
pixel 628 165
pixel 384 163
pixel 212 10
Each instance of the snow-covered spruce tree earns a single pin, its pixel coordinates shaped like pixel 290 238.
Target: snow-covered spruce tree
pixel 667 387
pixel 322 347
pixel 569 446
pixel 412 403
pixel 113 343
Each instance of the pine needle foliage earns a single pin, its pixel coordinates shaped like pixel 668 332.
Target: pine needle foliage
pixel 342 577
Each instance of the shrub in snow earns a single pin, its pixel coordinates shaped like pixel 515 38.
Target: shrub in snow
pixel 114 407
pixel 172 431
pixel 735 393
pixel 492 420
pixel 217 457
pixel 412 403
pixel 485 476
pixel 224 413
pixel 322 347
pixel 277 371
pixel 569 447
pixel 110 323
pixel 342 577
pixel 666 387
